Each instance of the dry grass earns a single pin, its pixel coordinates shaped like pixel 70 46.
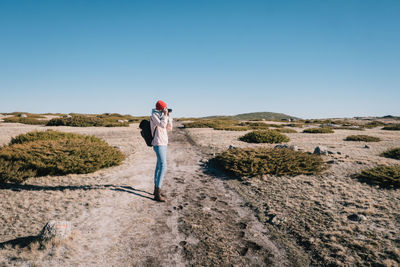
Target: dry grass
pixel 312 211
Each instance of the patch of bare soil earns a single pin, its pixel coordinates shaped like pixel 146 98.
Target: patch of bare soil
pixel 218 228
pixel 334 218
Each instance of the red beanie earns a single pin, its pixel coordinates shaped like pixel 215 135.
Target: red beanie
pixel 160 105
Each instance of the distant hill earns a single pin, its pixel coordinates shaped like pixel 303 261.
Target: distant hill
pixel 257 116
pixel 390 117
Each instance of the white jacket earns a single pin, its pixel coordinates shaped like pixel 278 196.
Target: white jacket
pixel 159 124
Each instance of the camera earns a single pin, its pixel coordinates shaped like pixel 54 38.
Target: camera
pixel 169 110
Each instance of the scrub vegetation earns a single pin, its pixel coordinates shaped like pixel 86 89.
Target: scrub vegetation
pixel 318 130
pixel 87 121
pixel 248 162
pixel 384 176
pixel 392 127
pixel 265 136
pixel 54 153
pixel 393 153
pixel 363 138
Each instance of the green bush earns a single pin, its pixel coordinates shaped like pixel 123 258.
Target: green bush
pixel 217 124
pixel 54 153
pixel 200 124
pixel 297 125
pixel 373 124
pixel 85 121
pixel 363 138
pixel 392 127
pixel 384 176
pixel 276 161
pixel 49 135
pixel 267 136
pixel 318 130
pixel 27 120
pixel 285 130
pixel 231 128
pixel 393 153
pixel 254 125
pixel 350 128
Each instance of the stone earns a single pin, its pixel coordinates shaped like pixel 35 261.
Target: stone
pixel 231 147
pixel 330 152
pixel 120 121
pixel 321 150
pixel 23 115
pixel 367 146
pixel 56 230
pixel 291 147
pixel 339 153
pixel 68 116
pixel 331 162
pixel 356 217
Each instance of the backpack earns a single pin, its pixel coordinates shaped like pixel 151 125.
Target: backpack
pixel 146 132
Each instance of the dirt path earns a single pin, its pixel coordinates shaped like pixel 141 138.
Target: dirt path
pixel 203 223
pixel 217 228
pixel 116 222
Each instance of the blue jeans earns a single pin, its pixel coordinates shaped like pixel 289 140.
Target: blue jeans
pixel 161 167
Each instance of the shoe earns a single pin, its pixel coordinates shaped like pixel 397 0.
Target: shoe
pixel 157 195
pixel 161 193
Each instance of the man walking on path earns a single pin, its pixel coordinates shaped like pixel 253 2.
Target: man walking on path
pixel 160 122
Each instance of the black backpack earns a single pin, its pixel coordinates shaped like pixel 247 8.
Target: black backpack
pixel 146 131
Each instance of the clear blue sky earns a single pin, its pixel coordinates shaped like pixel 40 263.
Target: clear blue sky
pixel 312 59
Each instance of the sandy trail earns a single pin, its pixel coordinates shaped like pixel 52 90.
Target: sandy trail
pixel 203 223
pixel 116 222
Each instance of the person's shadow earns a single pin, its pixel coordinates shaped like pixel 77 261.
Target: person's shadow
pixel 25 241
pixel 121 188
pixel 131 190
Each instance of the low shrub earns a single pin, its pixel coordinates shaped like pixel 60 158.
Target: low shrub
pixel 260 161
pixel 85 121
pixel 393 153
pixel 217 124
pixel 384 176
pixel 27 120
pixel 285 130
pixel 363 138
pixel 392 127
pixel 318 130
pixel 200 124
pixel 254 125
pixel 232 128
pixel 373 124
pixel 267 136
pixel 49 135
pixel 353 128
pixel 296 125
pixel 54 153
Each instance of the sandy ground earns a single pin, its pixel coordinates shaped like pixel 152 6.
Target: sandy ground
pixel 116 222
pixel 314 211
